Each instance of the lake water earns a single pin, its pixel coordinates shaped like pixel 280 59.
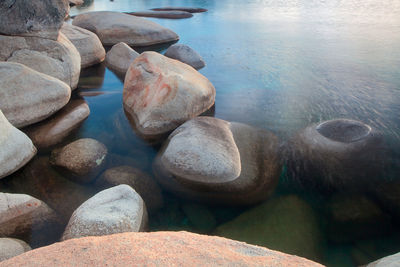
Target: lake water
pixel 280 65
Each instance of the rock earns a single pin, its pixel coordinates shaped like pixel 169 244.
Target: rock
pixel 28 96
pixel 388 196
pixel 183 249
pixel 11 247
pixel 32 18
pixel 84 159
pixel 161 93
pixel 337 154
pixel 389 261
pixel 286 224
pixel 59 58
pixel 75 2
pixel 87 43
pixel 143 184
pixel 186 9
pixel 115 210
pixel 186 55
pixel 92 77
pixel 215 161
pixel 173 14
pixel 140 161
pixel 56 128
pixel 120 57
pixel 16 149
pixel 22 214
pixel 114 27
pixel 200 217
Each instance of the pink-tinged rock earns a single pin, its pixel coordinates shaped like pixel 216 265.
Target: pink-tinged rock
pixel 156 249
pixel 114 27
pixel 162 93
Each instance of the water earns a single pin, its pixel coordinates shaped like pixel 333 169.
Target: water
pixel 279 65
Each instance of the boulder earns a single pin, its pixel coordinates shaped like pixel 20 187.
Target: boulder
pixel 84 159
pixel 115 210
pixel 32 18
pixel 57 58
pixel 173 14
pixel 286 223
pixel 186 9
pixel 161 93
pixel 28 96
pixel 185 54
pixel 215 161
pixel 156 249
pixel 16 149
pixel 75 2
pixel 389 261
pixel 87 43
pixel 120 57
pixel 56 128
pixel 11 247
pixel 143 184
pixel 114 27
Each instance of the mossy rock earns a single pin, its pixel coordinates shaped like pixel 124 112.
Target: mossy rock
pixel 286 224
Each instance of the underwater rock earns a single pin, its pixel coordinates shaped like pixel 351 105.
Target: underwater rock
pixel 84 159
pixel 172 14
pixel 16 149
pixel 92 77
pixel 56 128
pixel 58 58
pixel 161 93
pixel 11 247
pixel 120 57
pixel 32 18
pixel 389 261
pixel 336 154
pixel 186 55
pixel 114 27
pixel 28 96
pixel 141 182
pixel 388 196
pixel 286 224
pixel 115 210
pixel 200 217
pixel 216 161
pixel 87 43
pixel 186 9
pixel 75 2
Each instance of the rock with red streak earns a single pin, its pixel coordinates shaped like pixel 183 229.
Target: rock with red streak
pixel 162 93
pixel 156 249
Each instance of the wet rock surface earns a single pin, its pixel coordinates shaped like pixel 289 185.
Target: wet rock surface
pixel 187 9
pixel 11 247
pixel 172 14
pixel 186 55
pixel 120 57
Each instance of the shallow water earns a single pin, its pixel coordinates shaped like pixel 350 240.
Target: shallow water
pixel 278 65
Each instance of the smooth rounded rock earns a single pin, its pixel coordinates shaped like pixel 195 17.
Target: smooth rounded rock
pixel 16 149
pixel 11 247
pixel 115 210
pixel 120 57
pixel 56 128
pixel 161 93
pixel 185 54
pixel 389 261
pixel 57 58
pixel 84 159
pixel 87 43
pixel 173 14
pixel 114 27
pixel 32 18
pixel 27 96
pixel 187 9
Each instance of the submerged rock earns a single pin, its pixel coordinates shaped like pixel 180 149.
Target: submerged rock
pixel 115 210
pixel 161 93
pixel 186 55
pixel 32 18
pixel 87 43
pixel 114 27
pixel 56 128
pixel 76 2
pixel 216 161
pixel 11 247
pixel 120 57
pixel 186 9
pixel 173 14
pixel 183 249
pixel 200 217
pixel 16 149
pixel 57 58
pixel 84 159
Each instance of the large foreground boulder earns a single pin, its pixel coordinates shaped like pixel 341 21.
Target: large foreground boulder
pixel 114 27
pixel 115 210
pixel 11 247
pixel 57 58
pixel 27 96
pixel 185 54
pixel 156 249
pixel 16 149
pixel 216 161
pixel 161 93
pixel 32 18
pixel 120 57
